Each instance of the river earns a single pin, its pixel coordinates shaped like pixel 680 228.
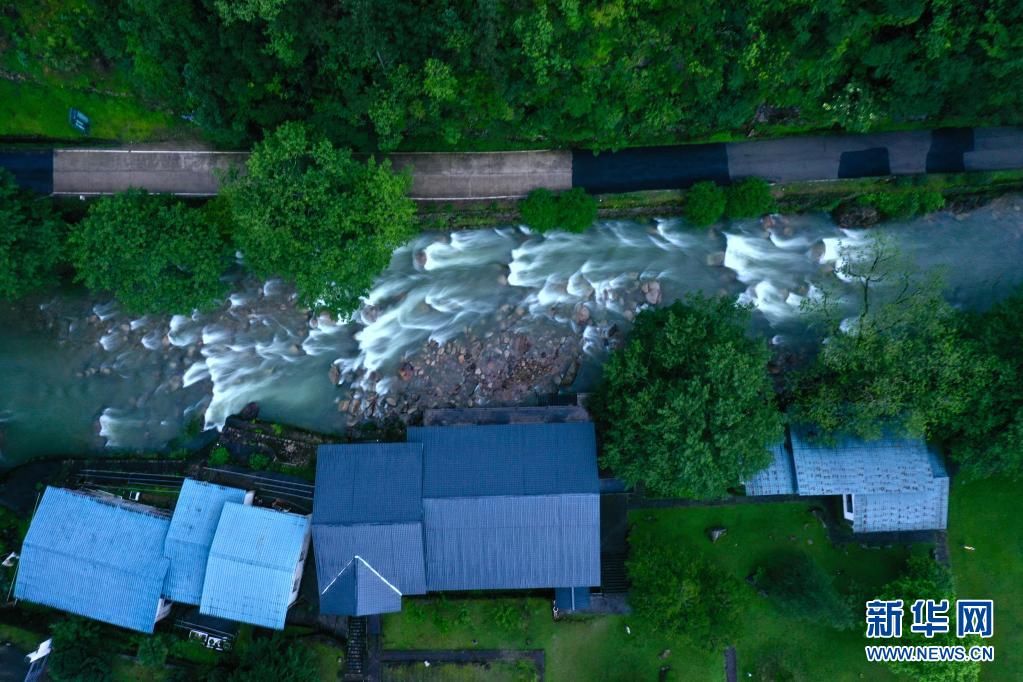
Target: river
pixel 79 375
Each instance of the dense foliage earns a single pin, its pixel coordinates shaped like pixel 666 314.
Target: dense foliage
pixel 268 659
pixel 900 361
pixel 679 592
pixel 80 653
pixel 904 203
pixel 572 211
pixel 311 213
pixel 30 240
pixel 460 73
pixel 988 439
pixel 705 203
pixel 799 587
pixel 925 578
pixel 749 198
pixel 687 407
pixel 154 253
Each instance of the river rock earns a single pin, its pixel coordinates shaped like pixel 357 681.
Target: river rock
pixel 406 371
pixel 652 292
pixel 582 314
pixel 851 214
pixel 334 374
pixel 716 259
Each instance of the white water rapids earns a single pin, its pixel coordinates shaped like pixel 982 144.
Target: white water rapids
pixel 134 381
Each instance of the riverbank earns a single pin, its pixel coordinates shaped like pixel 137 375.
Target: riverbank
pixel 962 192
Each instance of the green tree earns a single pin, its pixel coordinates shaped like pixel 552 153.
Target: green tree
pixel 312 214
pixel 676 591
pixel 925 578
pixel 987 438
pixel 705 203
pixel 80 653
pixel 154 253
pixel 899 361
pixel 539 210
pixel 749 198
pixel 687 406
pixel 576 210
pixel 30 241
pixel 799 587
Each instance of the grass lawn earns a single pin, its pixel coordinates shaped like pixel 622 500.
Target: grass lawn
pixel 449 672
pixel 985 515
pixel 40 110
pixel 806 651
pixel 600 648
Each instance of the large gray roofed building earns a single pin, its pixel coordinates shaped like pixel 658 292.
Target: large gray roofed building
pixel 891 484
pixel 511 506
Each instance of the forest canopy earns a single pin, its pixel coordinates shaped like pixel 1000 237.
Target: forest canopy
pixel 483 74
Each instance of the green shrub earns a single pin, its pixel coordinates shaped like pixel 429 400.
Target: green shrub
pixel 220 456
pixel 705 203
pixel 259 462
pixel 539 210
pixel 576 210
pixel 749 198
pixel 901 204
pixel 152 652
pixel 931 200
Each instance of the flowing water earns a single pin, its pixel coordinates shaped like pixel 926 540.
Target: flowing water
pixel 77 374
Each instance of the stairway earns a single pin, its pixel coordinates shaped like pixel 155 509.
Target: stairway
pixel 613 579
pixel 355 654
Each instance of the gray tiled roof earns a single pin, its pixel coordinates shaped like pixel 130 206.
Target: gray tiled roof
pixel 368 483
pixel 507 459
pixel 879 512
pixel 359 590
pixel 889 465
pixel 395 550
pixel 95 558
pixel 190 536
pixel 512 542
pixel 778 478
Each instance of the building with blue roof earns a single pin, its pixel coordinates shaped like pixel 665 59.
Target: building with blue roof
pixel 96 557
pixel 494 507
pixel 190 536
pixel 124 563
pixel 255 565
pixel 891 484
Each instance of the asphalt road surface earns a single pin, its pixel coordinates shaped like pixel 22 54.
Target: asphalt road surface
pixel 493 175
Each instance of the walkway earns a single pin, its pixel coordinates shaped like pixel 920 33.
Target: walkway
pixel 502 175
pixel 463 656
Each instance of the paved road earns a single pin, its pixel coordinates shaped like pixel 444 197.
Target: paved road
pixel 493 175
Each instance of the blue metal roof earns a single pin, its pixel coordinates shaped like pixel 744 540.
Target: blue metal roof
pixel 190 536
pixel 888 465
pixel 251 569
pixel 95 558
pixel 507 459
pixel 370 483
pixel 394 550
pixel 778 478
pixel 510 542
pixel 359 590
